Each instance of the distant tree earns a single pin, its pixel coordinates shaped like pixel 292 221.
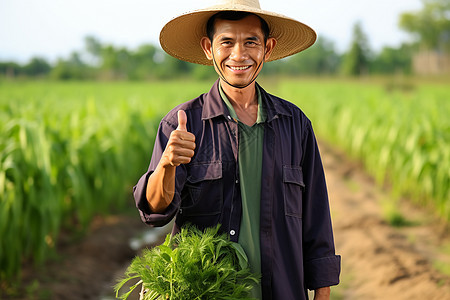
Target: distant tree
pixel 10 69
pixel 94 49
pixel 124 63
pixel 62 70
pixel 319 59
pixel 277 67
pixel 170 67
pixel 73 68
pixel 201 72
pixel 431 25
pixel 356 60
pixel 114 62
pixel 143 63
pixel 37 67
pixel 393 60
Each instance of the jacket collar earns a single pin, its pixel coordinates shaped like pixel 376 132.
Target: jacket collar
pixel 214 105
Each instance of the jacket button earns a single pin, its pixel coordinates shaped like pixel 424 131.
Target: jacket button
pixel 237 181
pixel 232 232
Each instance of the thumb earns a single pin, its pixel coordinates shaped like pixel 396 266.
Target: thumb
pixel 182 120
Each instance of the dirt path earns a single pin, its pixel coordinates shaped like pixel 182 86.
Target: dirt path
pixel 379 261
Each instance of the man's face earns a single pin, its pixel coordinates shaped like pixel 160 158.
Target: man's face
pixel 238 49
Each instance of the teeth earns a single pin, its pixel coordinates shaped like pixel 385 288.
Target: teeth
pixel 239 68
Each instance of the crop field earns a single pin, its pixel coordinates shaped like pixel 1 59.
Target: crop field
pixel 70 151
pixel 401 132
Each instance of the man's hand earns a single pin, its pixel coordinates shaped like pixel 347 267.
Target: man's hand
pixel 181 144
pixel 179 150
pixel 322 293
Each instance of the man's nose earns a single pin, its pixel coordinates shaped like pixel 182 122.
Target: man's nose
pixel 238 52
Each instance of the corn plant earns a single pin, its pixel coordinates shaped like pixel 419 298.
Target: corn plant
pixel 69 151
pixel 403 137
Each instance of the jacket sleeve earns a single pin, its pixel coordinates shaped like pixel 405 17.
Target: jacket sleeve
pixel 322 266
pixel 139 190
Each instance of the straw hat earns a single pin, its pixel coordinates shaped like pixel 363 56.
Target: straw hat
pixel 181 36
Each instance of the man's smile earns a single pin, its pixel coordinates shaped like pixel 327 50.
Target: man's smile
pixel 236 68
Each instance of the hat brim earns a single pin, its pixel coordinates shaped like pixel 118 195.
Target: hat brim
pixel 181 36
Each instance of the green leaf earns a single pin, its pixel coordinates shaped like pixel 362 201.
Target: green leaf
pixel 242 257
pixel 166 257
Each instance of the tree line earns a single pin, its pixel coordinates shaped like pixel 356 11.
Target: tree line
pixel 108 62
pixel 97 61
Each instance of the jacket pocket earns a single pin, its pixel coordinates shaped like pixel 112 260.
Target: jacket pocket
pixel 293 190
pixel 202 194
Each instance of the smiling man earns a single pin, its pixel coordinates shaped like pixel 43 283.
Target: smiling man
pixel 237 49
pixel 241 157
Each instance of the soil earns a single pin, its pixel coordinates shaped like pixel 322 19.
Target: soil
pixel 87 269
pixel 378 261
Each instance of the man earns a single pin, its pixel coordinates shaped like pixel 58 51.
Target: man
pixel 241 157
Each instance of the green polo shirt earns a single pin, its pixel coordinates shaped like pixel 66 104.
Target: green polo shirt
pixel 250 169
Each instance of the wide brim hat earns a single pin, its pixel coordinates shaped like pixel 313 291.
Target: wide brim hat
pixel 181 36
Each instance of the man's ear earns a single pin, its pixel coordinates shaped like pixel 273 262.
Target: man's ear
pixel 205 42
pixel 270 45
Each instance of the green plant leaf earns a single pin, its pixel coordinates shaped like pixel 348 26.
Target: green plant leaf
pixel 242 257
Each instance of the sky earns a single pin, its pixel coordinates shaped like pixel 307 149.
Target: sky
pixel 53 29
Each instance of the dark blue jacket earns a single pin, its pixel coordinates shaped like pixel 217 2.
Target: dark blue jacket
pixel 297 247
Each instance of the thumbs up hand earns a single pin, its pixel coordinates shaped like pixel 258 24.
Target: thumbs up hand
pixel 182 120
pixel 181 144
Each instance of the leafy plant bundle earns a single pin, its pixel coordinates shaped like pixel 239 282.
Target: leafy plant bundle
pixel 193 264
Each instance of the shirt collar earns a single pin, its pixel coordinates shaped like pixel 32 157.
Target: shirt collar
pixel 214 106
pixel 261 117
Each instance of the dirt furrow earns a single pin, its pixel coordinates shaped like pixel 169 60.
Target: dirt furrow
pixel 378 260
